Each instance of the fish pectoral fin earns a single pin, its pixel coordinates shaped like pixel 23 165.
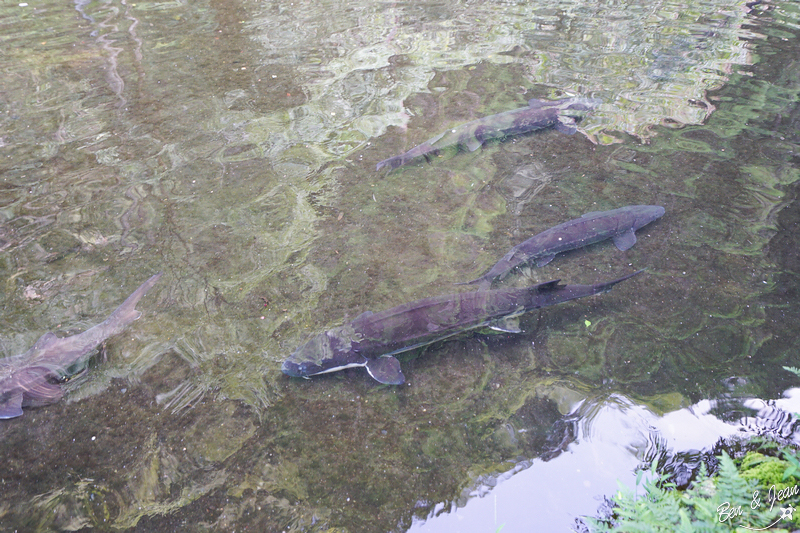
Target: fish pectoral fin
pixel 484 284
pixel 41 392
pixel 364 315
pixel 473 144
pixel 433 140
pixel 566 125
pixel 509 324
pixel 11 406
pixel 543 260
pixel 623 241
pixel 386 370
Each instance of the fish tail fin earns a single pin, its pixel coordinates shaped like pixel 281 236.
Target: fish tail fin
pixel 127 312
pixel 607 286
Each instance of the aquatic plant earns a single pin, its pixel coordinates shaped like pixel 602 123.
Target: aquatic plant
pixel 753 493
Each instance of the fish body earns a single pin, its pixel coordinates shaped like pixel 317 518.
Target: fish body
pixel 617 224
pixel 26 380
pixel 539 114
pixel 372 339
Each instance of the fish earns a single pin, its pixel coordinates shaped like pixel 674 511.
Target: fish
pixel 373 339
pixel 31 379
pixel 539 114
pixel 619 225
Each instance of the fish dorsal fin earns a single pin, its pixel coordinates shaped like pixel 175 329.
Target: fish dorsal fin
pixel 625 240
pixel 509 324
pixel 45 340
pixel 543 260
pixel 12 406
pixel 434 140
pixel 535 103
pixel 386 370
pixel 364 315
pixel 547 285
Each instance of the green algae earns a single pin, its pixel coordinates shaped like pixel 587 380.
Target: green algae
pixel 217 439
pixel 248 178
pixel 766 470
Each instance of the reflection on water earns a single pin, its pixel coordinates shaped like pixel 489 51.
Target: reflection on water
pixel 610 437
pixel 233 145
pixel 651 61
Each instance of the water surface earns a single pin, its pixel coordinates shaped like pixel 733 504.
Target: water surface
pixel 233 146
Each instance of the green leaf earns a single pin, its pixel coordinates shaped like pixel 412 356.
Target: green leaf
pixel 793 370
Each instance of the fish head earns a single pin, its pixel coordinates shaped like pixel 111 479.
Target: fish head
pixel 644 214
pixel 329 351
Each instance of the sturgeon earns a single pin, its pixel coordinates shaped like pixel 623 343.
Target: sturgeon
pixel 618 225
pixel 31 379
pixel 373 339
pixel 539 114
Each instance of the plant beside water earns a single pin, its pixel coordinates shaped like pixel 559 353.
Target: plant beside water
pixel 754 493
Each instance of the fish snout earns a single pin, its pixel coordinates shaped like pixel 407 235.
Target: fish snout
pixel 583 104
pixel 290 368
pixel 646 214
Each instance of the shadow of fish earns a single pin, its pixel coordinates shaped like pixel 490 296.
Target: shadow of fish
pixel 539 114
pixel 27 380
pixel 372 339
pixel 618 225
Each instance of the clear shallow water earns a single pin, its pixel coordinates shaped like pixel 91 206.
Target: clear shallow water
pixel 613 435
pixel 233 147
pixel 605 441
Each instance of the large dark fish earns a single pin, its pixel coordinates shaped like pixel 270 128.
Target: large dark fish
pixel 538 115
pixel 27 380
pixel 372 339
pixel 618 225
